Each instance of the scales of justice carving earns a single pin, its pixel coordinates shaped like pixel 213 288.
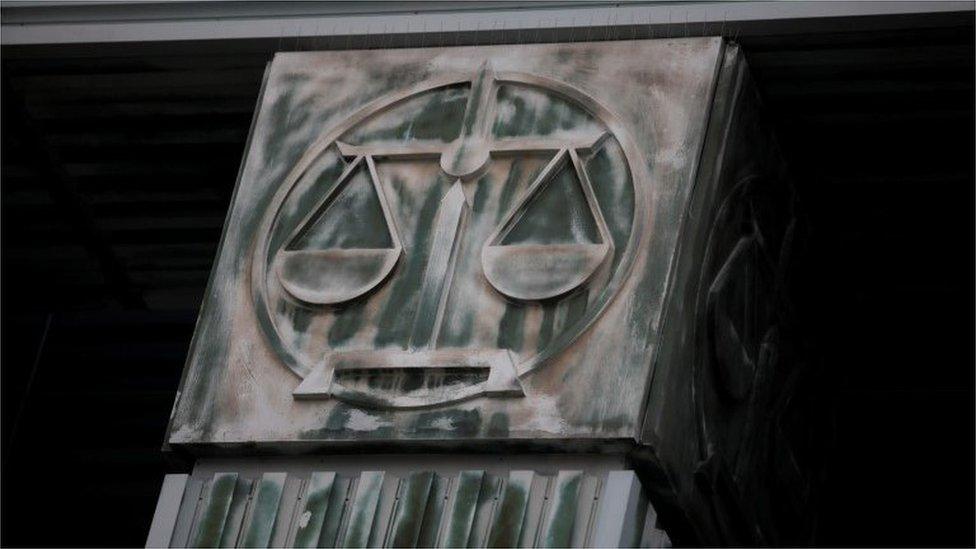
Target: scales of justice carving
pixel 446 240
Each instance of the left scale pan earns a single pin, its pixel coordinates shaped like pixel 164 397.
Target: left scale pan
pixel 334 275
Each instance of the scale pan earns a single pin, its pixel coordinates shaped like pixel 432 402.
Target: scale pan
pixel 533 272
pixel 329 277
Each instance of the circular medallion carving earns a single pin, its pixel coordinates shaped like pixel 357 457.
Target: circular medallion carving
pixel 447 239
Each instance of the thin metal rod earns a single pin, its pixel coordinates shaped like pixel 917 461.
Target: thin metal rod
pixel 30 380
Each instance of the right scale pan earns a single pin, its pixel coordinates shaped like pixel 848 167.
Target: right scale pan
pixel 553 240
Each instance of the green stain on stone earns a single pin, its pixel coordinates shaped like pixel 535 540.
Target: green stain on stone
pixel 574 305
pixel 510 189
pixel 498 425
pixel 529 111
pixel 481 194
pixel 434 115
pixel 278 112
pixel 461 333
pixel 349 320
pixel 287 116
pixel 301 318
pixel 545 331
pixel 557 213
pixel 511 327
pixel 337 420
pixel 395 320
pixel 318 181
pixel 549 120
pixel 609 167
pixel 616 423
pixel 518 121
pixel 464 423
pixel 352 218
pixel 209 347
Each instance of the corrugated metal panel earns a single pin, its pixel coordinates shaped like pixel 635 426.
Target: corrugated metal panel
pixel 212 510
pixel 317 497
pixel 264 510
pixel 473 508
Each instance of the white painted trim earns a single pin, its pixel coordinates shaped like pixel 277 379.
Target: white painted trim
pixel 31 22
pixel 167 511
pixel 616 525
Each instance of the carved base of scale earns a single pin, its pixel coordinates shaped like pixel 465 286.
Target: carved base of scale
pixel 444 376
pixel 539 252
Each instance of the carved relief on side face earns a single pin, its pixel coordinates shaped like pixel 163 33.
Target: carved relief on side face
pixel 743 327
pixel 447 239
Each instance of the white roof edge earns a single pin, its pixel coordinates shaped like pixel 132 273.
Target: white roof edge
pixel 95 21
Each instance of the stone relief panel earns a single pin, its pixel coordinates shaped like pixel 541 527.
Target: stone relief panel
pixel 450 244
pixel 447 252
pixel 741 375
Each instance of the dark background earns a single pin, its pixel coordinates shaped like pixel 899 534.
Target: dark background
pixel 118 166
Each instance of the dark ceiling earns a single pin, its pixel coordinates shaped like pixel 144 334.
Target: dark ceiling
pixel 118 166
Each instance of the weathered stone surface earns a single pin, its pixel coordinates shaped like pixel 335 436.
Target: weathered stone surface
pixel 450 244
